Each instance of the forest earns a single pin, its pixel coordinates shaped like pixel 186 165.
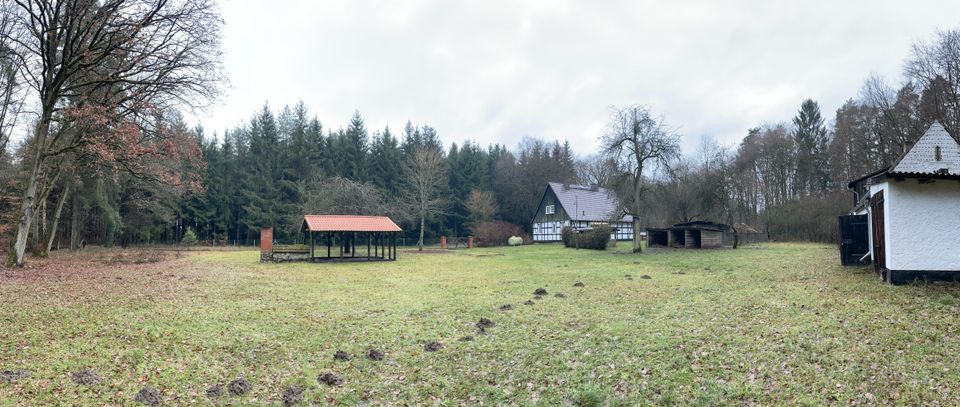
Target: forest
pixel 102 161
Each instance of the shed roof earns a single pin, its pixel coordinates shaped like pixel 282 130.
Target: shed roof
pixel 349 223
pixel 593 203
pixel 922 159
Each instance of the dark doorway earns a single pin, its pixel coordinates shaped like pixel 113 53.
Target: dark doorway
pixel 876 220
pixel 854 240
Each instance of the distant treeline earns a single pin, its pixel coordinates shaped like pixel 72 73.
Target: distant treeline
pixel 111 177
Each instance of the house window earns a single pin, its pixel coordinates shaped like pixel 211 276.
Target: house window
pixel 549 209
pixel 937 154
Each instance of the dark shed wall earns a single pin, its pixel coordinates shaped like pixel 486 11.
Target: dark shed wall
pixel 711 239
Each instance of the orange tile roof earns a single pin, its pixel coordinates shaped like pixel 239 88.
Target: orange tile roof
pixel 350 223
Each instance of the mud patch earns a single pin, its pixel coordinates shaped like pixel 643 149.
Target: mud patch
pixel 148 396
pixel 578 284
pixel 433 346
pixel 467 338
pixel 538 297
pixel 374 354
pixel 506 307
pixel 86 377
pixel 239 387
pixel 10 376
pixel 215 391
pixel 560 295
pixel 529 302
pixel 292 395
pixel 540 291
pixel 628 276
pixel 330 379
pixel 485 323
pixel 645 277
pixel 341 355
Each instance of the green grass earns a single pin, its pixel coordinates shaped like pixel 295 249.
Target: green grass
pixel 779 324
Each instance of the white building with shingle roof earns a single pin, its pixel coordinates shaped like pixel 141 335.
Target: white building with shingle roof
pixel 913 211
pixel 579 206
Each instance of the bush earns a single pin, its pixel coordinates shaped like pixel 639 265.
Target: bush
pixel 189 237
pixel 515 241
pixel 597 238
pixel 496 233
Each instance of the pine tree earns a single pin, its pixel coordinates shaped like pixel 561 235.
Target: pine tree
pixel 811 142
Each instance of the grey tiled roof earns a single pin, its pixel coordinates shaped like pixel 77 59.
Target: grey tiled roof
pixel 593 205
pixel 921 158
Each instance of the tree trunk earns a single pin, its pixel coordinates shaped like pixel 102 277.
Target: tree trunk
pixel 75 222
pixel 420 242
pixel 637 207
pixel 56 217
pixel 30 195
pixel 637 244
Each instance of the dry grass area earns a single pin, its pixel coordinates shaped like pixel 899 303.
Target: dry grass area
pixel 777 324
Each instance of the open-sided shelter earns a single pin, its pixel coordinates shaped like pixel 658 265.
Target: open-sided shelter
pixel 350 237
pixel 690 235
pixel 910 212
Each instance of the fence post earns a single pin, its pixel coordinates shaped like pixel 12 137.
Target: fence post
pixel 469 242
pixel 443 242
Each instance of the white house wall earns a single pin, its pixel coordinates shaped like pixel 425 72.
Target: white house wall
pixel 923 225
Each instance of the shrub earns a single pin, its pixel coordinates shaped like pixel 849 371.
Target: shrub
pixel 597 238
pixel 496 233
pixel 515 241
pixel 189 237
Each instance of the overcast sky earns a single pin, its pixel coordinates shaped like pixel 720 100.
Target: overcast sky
pixel 495 71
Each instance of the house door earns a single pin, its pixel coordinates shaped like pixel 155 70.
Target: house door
pixel 876 215
pixel 854 242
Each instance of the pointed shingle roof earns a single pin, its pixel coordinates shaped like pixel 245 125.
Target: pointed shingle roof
pixel 593 203
pixel 923 158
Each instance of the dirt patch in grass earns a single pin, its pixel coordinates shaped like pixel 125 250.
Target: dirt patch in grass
pixel 10 376
pixel 466 338
pixel 341 355
pixel 86 377
pixel 239 387
pixel 433 346
pixel 506 307
pixel 560 295
pixel 528 302
pixel 579 284
pixel 485 323
pixel 135 257
pixel 538 297
pixel 645 277
pixel 292 395
pixel 330 379
pixel 148 396
pixel 374 354
pixel 215 391
pixel 540 291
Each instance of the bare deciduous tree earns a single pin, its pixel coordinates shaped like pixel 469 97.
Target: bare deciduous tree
pixel 482 206
pixel 112 62
pixel 425 174
pixel 638 142
pixel 936 66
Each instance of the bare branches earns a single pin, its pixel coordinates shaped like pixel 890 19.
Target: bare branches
pixel 637 141
pixel 425 175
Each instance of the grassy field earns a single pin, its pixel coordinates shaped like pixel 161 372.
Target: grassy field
pixel 778 324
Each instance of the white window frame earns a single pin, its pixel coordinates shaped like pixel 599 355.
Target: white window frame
pixel 549 210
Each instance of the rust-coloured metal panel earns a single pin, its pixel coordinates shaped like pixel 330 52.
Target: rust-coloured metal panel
pixel 266 240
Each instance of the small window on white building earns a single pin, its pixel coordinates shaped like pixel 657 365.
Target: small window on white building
pixel 549 209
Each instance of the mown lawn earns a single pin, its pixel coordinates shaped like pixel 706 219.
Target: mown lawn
pixel 778 324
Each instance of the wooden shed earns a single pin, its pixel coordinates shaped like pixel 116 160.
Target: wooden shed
pixel 688 235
